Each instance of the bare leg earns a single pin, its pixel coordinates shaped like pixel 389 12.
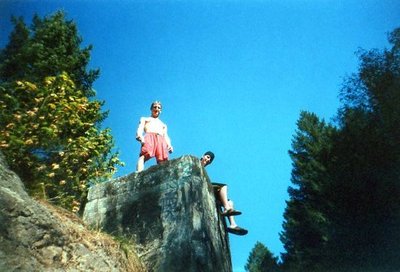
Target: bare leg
pixel 140 164
pixel 231 219
pixel 223 197
pixel 233 227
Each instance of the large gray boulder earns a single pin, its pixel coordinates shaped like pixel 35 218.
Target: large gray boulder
pixel 169 211
pixel 35 236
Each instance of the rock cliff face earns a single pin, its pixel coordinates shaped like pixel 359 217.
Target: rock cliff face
pixel 35 236
pixel 169 211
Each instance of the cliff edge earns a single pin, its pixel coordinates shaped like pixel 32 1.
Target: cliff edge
pixel 169 212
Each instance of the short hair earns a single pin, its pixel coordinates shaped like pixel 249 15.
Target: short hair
pixel 155 102
pixel 209 153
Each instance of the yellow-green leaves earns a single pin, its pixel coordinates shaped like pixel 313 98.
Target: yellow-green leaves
pixel 48 131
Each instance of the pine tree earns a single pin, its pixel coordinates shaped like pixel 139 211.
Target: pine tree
pixel 344 208
pixel 48 48
pixel 261 260
pixel 306 226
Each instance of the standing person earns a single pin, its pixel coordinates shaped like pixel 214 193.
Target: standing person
pixel 156 142
pixel 221 193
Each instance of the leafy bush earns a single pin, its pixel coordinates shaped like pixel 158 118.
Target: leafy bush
pixel 49 134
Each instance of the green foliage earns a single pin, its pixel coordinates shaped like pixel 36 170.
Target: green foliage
pixel 48 133
pixel 367 181
pixel 49 47
pixel 306 225
pixel 344 208
pixel 13 58
pixel 261 260
pixel 50 123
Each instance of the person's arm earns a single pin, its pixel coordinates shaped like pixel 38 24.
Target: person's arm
pixel 140 130
pixel 168 140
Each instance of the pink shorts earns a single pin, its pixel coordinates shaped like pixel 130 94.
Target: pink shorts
pixel 154 146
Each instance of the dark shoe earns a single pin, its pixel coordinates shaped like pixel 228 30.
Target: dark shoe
pixel 231 212
pixel 237 230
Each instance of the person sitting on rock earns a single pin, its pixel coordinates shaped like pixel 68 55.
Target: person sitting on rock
pixel 221 193
pixel 156 142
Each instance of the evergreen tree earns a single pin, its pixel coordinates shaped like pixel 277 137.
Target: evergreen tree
pixel 48 48
pixel 367 180
pixel 306 226
pixel 13 58
pixel 49 126
pixel 261 260
pixel 344 209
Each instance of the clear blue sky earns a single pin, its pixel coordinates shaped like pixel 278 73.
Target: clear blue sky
pixel 233 77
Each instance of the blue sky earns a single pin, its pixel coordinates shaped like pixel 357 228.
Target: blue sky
pixel 233 77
